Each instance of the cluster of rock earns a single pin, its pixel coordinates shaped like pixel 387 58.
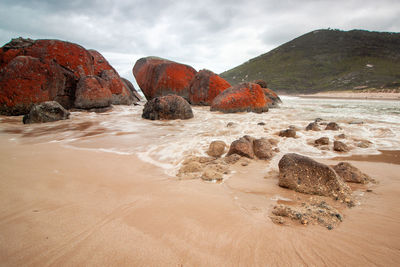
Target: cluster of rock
pixel 36 71
pixel 214 167
pixel 159 77
pixel 305 175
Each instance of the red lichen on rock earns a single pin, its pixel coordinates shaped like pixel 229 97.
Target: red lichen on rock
pixel 27 80
pixel 205 86
pixel 160 77
pixel 241 97
pixel 100 63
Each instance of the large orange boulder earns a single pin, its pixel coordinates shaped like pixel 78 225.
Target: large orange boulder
pixel 241 97
pixel 92 92
pixel 205 86
pixel 274 99
pixel 160 77
pixel 25 81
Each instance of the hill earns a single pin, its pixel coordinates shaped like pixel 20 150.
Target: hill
pixel 326 60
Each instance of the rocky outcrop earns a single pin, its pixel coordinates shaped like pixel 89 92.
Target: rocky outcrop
pixel 27 80
pixel 51 71
pixel 308 176
pixel 170 107
pixel 351 174
pixel 239 98
pixel 205 86
pixel 46 112
pixel 160 77
pixel 216 149
pixel 269 94
pixel 92 92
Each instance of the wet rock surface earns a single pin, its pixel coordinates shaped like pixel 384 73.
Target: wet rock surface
pixel 305 175
pixel 322 141
pixel 351 174
pixel 92 92
pixel 332 126
pixel 313 126
pixel 46 112
pixel 340 146
pixel 288 133
pixel 250 147
pixel 170 107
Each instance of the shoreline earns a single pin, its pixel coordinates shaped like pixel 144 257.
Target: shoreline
pixel 352 95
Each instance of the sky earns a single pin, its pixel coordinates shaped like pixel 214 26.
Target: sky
pixel 216 35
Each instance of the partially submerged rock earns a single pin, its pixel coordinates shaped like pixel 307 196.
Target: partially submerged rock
pixel 288 133
pixel 305 175
pixel 340 146
pixel 313 126
pixel 351 174
pixel 46 112
pixel 250 147
pixel 170 107
pixel 206 168
pixel 333 126
pixel 322 141
pixel 205 86
pixel 160 77
pixel 244 97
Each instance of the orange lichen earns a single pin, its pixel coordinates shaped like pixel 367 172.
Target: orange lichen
pixel 241 97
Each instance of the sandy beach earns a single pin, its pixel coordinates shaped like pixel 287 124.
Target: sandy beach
pixel 61 206
pixel 354 95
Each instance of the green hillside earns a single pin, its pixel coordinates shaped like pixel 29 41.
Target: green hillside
pixel 326 60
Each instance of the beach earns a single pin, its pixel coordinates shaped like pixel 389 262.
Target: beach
pixel 101 189
pixel 392 95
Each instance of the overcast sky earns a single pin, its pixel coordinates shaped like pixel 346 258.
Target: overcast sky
pixel 217 35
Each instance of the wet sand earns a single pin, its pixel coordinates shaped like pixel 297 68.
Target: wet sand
pixel 62 206
pixel 386 156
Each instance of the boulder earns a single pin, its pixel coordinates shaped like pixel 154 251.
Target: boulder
pixel 216 149
pixel 26 81
pixel 351 174
pixel 313 126
pixel 333 126
pixel 99 62
pixel 340 146
pixel 262 148
pixel 261 83
pixel 308 176
pixel 322 141
pixel 92 92
pixel 239 98
pixel 205 86
pixel 46 112
pixel 288 133
pixel 70 56
pixel 170 107
pixel 136 96
pixel 160 77
pixel 275 99
pixel 243 147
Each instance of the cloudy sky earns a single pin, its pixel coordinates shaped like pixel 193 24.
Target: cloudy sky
pixel 217 35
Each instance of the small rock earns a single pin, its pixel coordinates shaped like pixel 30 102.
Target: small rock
pixel 216 149
pixel 46 112
pixel 333 126
pixel 318 120
pixel 231 124
pixel 243 147
pixel 340 146
pixel 313 126
pixel 288 133
pixel 322 141
pixel 340 136
pixel 262 148
pixel 232 159
pixel 363 143
pixel 210 174
pixel 261 123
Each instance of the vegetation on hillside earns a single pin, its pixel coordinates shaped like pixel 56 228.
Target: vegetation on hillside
pixel 326 60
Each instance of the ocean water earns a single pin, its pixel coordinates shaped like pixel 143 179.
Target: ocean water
pixel 167 143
